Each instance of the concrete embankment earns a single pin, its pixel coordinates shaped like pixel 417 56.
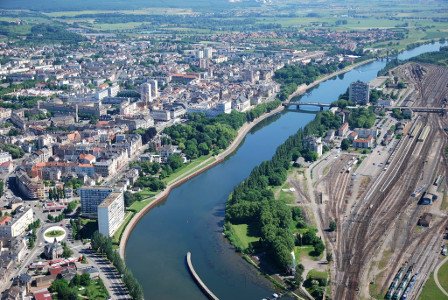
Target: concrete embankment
pixel 243 131
pixel 198 280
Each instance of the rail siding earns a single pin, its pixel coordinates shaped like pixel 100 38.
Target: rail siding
pixel 198 280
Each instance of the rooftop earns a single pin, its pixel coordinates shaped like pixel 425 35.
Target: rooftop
pixel 110 199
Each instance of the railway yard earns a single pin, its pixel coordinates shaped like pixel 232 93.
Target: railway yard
pixel 379 251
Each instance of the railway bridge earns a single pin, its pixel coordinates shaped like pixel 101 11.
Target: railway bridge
pixel 441 110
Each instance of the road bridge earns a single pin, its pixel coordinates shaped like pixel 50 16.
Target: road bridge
pixel 299 104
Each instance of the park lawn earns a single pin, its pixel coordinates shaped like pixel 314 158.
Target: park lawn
pixel 431 291
pixel 315 274
pixel 187 169
pixel 443 276
pixel 303 251
pixel 241 237
pixel 139 205
pixel 95 290
pixel 286 196
pixel 147 193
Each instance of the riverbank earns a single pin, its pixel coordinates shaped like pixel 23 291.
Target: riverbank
pixel 303 88
pixel 242 132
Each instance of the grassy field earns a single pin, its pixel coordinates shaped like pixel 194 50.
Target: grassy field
pixel 315 274
pixel 302 252
pixel 187 169
pixel 139 205
pixel 431 291
pixel 242 237
pixel 443 276
pixel 116 26
pixel 95 290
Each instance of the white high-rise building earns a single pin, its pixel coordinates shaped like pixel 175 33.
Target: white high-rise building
pixel 208 52
pixel 146 92
pixel 200 54
pixel 111 213
pixel 154 88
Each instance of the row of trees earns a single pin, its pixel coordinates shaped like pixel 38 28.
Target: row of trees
pixel 103 244
pixel 33 236
pixel 252 201
pixel 56 194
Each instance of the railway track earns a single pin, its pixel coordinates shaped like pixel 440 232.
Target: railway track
pixel 363 232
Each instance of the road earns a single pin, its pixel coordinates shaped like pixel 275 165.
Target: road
pixel 111 278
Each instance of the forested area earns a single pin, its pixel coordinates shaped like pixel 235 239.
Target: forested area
pixel 292 76
pixel 202 135
pixel 43 33
pixel 361 117
pixel 438 57
pixel 253 202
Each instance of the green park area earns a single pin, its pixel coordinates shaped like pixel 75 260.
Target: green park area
pixel 242 236
pixel 431 291
pixel 54 233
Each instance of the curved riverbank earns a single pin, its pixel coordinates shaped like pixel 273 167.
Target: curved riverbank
pixel 192 216
pixel 242 132
pixel 303 88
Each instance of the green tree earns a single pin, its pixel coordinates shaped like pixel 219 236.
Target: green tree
pixel 333 225
pixel 175 161
pixel 67 252
pixel 298 276
pixel 345 144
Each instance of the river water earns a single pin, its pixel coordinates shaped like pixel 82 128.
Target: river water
pixel 191 218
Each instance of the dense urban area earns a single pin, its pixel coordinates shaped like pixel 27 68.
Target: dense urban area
pixel 108 107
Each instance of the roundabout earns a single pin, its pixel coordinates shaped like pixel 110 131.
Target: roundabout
pixel 54 232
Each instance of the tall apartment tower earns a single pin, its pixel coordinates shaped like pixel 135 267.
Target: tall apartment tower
pixel 91 197
pixel 208 52
pixel 359 92
pixel 200 54
pixel 154 88
pixel 146 93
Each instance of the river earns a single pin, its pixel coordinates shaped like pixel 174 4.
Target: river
pixel 191 218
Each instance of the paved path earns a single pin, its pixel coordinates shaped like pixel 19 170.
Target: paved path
pixel 436 278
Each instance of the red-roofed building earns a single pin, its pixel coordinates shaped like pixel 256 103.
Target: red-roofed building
pixel 42 295
pixel 87 158
pixel 342 131
pixel 5 220
pixel 364 143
